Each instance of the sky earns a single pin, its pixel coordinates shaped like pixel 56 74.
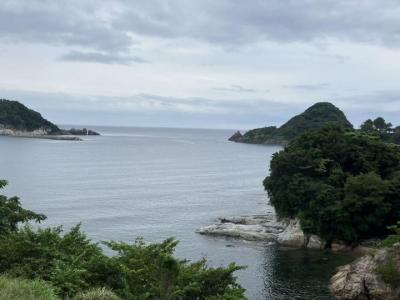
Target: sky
pixel 200 63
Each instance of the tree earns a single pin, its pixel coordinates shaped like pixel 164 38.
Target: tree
pixel 341 183
pixel 380 128
pixel 11 213
pixel 368 126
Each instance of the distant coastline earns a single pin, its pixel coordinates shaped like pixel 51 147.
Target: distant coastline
pixel 37 134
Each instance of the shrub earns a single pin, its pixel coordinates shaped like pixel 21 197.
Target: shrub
pixel 390 273
pixel 97 294
pixel 18 289
pixel 393 238
pixel 72 263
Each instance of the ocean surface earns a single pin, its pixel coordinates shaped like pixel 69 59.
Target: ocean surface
pixel 157 183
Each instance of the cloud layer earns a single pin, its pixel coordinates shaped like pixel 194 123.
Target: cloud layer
pixel 240 60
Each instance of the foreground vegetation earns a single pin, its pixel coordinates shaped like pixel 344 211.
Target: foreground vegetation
pixel 68 264
pixel 343 184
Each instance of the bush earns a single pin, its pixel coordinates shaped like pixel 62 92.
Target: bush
pixel 73 264
pixel 392 238
pixel 97 294
pixel 342 184
pixel 390 273
pixel 18 289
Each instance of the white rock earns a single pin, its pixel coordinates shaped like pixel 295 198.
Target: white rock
pixel 287 233
pixel 315 242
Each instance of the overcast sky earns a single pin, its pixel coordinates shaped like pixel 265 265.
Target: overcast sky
pixel 205 63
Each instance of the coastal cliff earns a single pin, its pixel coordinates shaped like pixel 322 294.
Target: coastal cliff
pixel 19 121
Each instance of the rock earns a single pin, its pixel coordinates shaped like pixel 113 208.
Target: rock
pixel 292 236
pixel 83 131
pixel 362 280
pixel 315 242
pixel 38 133
pixel 236 137
pixel 266 227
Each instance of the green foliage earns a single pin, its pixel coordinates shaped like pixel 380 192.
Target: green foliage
pixel 341 183
pixel 97 294
pixel 314 117
pixel 70 261
pixel 381 129
pixel 392 238
pixel 258 135
pixel 18 289
pixel 152 272
pixel 15 115
pixel 11 213
pixel 74 265
pixel 390 273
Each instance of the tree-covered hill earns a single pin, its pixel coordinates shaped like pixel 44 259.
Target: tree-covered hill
pixel 314 117
pixel 14 115
pixel 343 184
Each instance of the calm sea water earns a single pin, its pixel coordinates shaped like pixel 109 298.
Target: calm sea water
pixel 158 183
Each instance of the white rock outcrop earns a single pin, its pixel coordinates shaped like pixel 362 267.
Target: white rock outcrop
pixel 38 133
pixel 266 227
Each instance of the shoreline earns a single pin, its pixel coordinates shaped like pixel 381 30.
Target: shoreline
pixel 285 233
pixel 47 137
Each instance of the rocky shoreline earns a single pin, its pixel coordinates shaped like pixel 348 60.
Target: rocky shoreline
pixel 265 227
pixel 38 134
pixel 65 135
pixel 365 277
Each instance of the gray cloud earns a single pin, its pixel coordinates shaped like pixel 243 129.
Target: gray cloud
pixel 236 21
pixel 104 58
pixel 156 110
pixel 234 88
pixel 308 87
pixel 108 25
pixel 59 23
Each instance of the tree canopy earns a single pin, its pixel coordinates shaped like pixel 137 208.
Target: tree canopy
pixel 383 130
pixel 342 184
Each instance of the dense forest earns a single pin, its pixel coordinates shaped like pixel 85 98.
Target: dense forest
pixel 343 184
pixel 14 115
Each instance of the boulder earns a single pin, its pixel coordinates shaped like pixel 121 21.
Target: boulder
pixel 293 236
pixel 363 279
pixel 83 131
pixel 315 242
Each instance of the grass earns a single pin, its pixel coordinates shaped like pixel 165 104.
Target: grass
pixel 97 294
pixel 17 289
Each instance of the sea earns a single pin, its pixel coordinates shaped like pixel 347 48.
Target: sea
pixel 157 183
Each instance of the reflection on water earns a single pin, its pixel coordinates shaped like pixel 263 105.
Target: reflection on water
pixel 300 274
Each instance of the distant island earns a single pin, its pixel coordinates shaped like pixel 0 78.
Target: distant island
pixel 18 120
pixel 314 117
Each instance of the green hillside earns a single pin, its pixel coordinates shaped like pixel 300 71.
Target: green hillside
pixel 14 115
pixel 314 117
